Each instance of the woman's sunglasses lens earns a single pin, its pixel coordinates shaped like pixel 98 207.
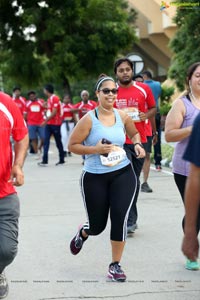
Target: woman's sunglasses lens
pixel 107 91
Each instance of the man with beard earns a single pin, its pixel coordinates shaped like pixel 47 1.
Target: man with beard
pixel 137 100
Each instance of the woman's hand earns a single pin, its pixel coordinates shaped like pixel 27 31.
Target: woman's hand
pixel 103 148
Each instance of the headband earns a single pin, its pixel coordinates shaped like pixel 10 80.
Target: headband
pixel 102 80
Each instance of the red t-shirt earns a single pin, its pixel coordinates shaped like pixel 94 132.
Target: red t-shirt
pixel 11 124
pixel 133 99
pixel 54 102
pixel 21 103
pixel 67 114
pixel 85 107
pixel 35 112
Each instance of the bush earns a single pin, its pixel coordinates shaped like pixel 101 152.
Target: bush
pixel 164 109
pixel 167 92
pixel 167 154
pixel 165 99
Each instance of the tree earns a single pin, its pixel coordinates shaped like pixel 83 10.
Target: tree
pixel 185 43
pixel 63 40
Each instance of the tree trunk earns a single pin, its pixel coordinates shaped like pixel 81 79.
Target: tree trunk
pixel 66 86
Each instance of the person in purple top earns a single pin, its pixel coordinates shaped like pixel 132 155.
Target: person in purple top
pixel 178 128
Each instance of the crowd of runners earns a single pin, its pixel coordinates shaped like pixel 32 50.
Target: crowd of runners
pixel 114 135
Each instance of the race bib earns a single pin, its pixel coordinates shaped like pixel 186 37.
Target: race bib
pixel 114 157
pixel 35 108
pixel 133 113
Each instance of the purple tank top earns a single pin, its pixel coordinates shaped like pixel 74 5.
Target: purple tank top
pixel 181 166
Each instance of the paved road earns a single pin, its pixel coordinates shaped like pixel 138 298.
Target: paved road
pixel 51 209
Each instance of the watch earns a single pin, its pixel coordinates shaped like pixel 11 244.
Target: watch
pixel 155 133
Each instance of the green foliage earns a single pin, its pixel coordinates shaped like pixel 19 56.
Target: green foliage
pixel 167 153
pixel 165 99
pixel 185 43
pixel 164 109
pixel 70 39
pixel 78 86
pixel 167 92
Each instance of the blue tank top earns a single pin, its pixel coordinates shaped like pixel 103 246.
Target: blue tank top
pixel 115 134
pixel 181 166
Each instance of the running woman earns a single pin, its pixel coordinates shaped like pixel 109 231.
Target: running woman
pixel 108 181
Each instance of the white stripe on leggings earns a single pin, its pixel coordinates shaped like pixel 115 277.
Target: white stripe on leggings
pixel 86 225
pixel 127 213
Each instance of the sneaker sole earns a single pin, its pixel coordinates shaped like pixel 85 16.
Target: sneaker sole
pixel 191 269
pixel 6 295
pixel 111 277
pixel 146 191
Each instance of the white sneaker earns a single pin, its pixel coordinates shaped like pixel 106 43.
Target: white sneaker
pixel 3 286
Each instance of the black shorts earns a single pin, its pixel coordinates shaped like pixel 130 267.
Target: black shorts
pixel 148 144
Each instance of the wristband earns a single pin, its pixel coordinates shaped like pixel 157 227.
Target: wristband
pixel 138 144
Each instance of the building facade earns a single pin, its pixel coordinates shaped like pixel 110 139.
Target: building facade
pixel 155 28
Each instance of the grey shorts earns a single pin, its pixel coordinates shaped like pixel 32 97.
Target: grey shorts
pixel 9 215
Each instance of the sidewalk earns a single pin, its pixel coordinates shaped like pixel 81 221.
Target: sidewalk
pixel 51 210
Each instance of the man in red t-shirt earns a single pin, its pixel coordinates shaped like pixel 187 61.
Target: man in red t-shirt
pixel 11 174
pixel 19 100
pixel 34 116
pixel 137 100
pixel 68 122
pixel 85 105
pixel 52 125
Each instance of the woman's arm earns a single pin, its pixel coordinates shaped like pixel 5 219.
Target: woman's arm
pixel 174 120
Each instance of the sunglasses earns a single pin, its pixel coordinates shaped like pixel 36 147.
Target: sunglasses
pixel 108 91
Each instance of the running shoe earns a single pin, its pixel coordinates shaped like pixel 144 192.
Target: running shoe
pixel 3 286
pixel 158 168
pixel 146 188
pixel 42 164
pixel 77 243
pixel 132 228
pixel 192 265
pixel 116 273
pixel 60 163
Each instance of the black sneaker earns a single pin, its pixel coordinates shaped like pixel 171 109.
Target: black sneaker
pixel 42 164
pixel 3 286
pixel 146 188
pixel 132 228
pixel 69 154
pixel 116 273
pixel 60 163
pixel 77 243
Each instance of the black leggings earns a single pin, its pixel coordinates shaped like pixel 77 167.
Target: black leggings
pixel 114 192
pixel 137 164
pixel 180 181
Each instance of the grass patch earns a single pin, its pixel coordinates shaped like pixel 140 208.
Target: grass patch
pixel 167 153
